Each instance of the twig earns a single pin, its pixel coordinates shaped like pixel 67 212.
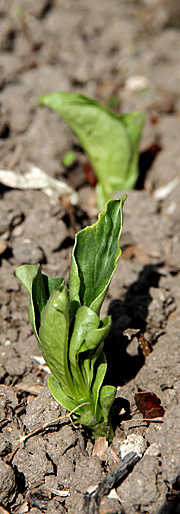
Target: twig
pixel 138 422
pixel 16 157
pixel 116 475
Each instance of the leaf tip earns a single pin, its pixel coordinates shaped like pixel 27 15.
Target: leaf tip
pixel 41 100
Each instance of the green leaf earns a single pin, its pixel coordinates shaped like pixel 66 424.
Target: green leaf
pixel 39 287
pixel 88 420
pixel 60 396
pixel 88 334
pixel 100 424
pixel 107 395
pixel 31 278
pixel 99 367
pixel 110 141
pixel 53 334
pixel 94 258
pixel 133 121
pixel 106 399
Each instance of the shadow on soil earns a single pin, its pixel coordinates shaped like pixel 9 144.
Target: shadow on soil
pixel 124 359
pixel 172 503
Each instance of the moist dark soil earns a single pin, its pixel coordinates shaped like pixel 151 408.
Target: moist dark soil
pixel 127 55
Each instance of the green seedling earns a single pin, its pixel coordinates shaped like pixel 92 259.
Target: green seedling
pixel 69 158
pixel 111 141
pixel 72 345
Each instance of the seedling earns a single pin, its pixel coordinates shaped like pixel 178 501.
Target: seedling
pixel 69 158
pixel 111 141
pixel 72 345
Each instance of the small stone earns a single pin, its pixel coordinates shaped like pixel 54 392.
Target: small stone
pixel 133 443
pixel 137 83
pixel 154 450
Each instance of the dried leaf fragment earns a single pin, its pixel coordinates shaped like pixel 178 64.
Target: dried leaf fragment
pixel 149 404
pixel 35 178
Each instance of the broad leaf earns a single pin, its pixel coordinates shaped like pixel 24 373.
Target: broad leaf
pixel 53 334
pixel 94 258
pixel 107 395
pixel 57 392
pixel 110 141
pixel 88 332
pixel 31 278
pixel 39 287
pixel 99 371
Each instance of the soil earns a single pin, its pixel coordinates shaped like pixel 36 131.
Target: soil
pixel 99 49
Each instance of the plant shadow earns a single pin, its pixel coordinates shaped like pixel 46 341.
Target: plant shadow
pixel 123 361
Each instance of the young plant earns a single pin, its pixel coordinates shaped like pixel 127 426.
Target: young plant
pixel 110 141
pixel 73 350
